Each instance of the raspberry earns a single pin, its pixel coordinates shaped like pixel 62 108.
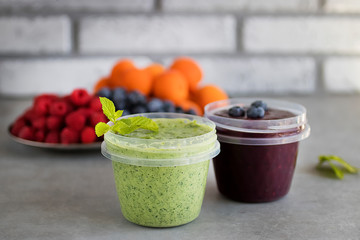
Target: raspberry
pixel 16 127
pixel 50 97
pixel 39 122
pixel 97 117
pixel 75 121
pixel 26 132
pixel 67 98
pixel 52 137
pixel 30 114
pixel 95 104
pixel 43 102
pixel 80 97
pixel 39 136
pixel 54 122
pixel 68 136
pixel 85 111
pixel 88 135
pixel 59 108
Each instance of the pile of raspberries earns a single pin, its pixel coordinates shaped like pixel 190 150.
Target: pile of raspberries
pixel 61 119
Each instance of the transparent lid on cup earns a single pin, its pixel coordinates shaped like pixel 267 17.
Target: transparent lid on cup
pixel 259 132
pixel 162 153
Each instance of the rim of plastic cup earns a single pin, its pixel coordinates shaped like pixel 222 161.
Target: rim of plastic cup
pixel 167 145
pixel 257 126
pixel 296 124
pixel 266 141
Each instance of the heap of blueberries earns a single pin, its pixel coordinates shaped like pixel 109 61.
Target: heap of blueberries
pixel 257 109
pixel 134 102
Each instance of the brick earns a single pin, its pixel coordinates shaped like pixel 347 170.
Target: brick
pixel 343 6
pixel 28 77
pixel 254 75
pixel 302 35
pixel 161 34
pixel 78 5
pixel 240 5
pixel 40 35
pixel 341 75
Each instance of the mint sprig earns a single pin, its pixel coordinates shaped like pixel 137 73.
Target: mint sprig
pixel 122 126
pixel 339 172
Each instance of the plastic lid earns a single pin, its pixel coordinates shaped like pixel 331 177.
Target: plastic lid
pixel 259 132
pixel 164 153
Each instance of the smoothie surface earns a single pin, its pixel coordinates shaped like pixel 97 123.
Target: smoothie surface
pixel 172 129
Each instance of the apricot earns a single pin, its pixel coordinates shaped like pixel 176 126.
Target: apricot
pixel 190 69
pixel 118 71
pixel 188 104
pixel 208 94
pixel 155 69
pixel 171 85
pixel 136 79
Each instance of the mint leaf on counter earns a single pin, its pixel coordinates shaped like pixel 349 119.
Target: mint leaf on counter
pixel 122 126
pixel 339 172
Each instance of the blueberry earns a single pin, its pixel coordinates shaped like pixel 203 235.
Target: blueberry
pixel 179 109
pixel 168 106
pixel 191 111
pixel 136 98
pixel 139 109
pixel 120 104
pixel 119 93
pixel 261 104
pixel 255 112
pixel 155 105
pixel 104 92
pixel 236 111
pixel 126 112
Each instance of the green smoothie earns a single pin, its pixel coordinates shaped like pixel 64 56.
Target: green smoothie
pixel 161 176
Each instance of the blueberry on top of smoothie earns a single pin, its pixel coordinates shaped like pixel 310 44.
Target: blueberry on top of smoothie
pixel 255 112
pixel 236 111
pixel 260 103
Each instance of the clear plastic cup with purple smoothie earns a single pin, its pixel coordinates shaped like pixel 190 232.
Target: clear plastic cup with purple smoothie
pixel 258 156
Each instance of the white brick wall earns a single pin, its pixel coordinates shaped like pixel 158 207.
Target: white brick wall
pixel 37 35
pixel 248 47
pixel 240 5
pixel 302 35
pixel 30 77
pixel 76 5
pixel 342 6
pixel 260 74
pixel 342 75
pixel 174 34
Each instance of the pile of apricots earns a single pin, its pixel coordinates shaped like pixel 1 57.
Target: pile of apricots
pixel 180 82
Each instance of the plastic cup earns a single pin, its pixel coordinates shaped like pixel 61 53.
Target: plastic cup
pixel 258 157
pixel 161 183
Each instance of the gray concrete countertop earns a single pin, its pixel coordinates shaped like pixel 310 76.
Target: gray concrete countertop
pixel 71 195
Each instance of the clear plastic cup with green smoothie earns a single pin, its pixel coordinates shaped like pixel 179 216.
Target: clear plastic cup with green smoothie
pixel 161 176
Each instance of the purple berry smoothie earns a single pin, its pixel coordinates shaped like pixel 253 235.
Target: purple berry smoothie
pixel 258 156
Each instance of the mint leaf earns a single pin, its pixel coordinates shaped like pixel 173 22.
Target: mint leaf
pixel 101 128
pixel 122 126
pixel 108 108
pixel 339 173
pixel 119 126
pixel 347 166
pixel 118 113
pixel 126 126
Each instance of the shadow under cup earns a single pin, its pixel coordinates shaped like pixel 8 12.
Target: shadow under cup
pixel 258 157
pixel 161 183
